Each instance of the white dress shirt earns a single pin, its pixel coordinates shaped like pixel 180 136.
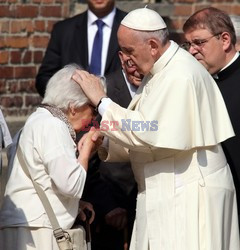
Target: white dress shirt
pixel 215 76
pixel 92 30
pixel 131 87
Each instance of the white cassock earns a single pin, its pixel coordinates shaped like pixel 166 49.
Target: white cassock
pixel 186 198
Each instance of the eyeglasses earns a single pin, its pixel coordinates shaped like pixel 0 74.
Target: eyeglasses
pixel 197 43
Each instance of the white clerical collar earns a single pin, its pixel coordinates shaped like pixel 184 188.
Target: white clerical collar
pixel 215 76
pixel 108 19
pixel 165 57
pixel 233 59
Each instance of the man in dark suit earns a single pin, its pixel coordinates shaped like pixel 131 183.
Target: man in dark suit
pixel 122 84
pixel 117 191
pixel 72 41
pixel 211 40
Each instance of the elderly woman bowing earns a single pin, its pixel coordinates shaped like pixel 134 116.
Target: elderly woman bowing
pixel 55 162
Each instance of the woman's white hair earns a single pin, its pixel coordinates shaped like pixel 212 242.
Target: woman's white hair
pixel 62 90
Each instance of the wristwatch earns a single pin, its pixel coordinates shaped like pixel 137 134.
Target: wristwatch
pixel 100 102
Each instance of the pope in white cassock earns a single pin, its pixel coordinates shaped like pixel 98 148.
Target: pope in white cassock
pixel 186 196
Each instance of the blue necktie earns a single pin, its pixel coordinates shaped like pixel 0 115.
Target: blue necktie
pixel 96 58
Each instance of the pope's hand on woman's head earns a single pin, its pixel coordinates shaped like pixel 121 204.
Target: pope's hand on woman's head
pixel 90 84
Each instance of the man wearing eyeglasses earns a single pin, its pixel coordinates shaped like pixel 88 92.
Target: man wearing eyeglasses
pixel 211 40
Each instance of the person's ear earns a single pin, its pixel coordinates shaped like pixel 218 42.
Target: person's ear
pixel 226 40
pixel 120 54
pixel 72 110
pixel 154 46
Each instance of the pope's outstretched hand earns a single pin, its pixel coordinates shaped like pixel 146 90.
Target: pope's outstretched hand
pixel 91 85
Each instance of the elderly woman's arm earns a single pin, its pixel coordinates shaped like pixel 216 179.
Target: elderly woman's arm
pixel 67 173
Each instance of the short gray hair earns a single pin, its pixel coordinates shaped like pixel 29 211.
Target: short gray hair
pixel 160 35
pixel 62 90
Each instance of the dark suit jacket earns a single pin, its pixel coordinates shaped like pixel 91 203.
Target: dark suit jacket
pixel 111 185
pixel 68 44
pixel 229 84
pixel 118 176
pixel 117 89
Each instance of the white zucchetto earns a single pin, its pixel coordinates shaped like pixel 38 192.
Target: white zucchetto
pixel 144 19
